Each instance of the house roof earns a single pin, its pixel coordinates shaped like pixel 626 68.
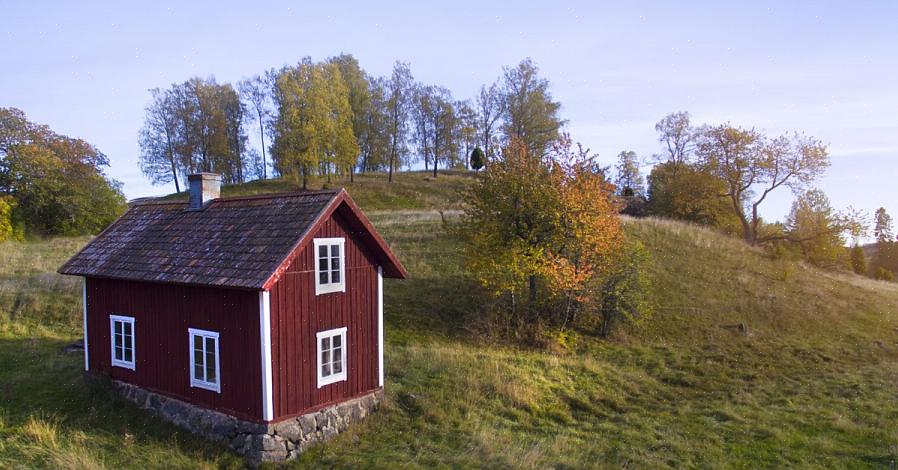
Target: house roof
pixel 242 242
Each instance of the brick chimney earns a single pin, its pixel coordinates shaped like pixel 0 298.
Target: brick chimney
pixel 204 187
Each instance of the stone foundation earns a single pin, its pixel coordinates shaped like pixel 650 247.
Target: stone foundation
pixel 257 442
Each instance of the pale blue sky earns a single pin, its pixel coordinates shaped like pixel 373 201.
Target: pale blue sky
pixel 829 69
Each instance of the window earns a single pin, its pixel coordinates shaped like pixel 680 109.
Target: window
pixel 121 332
pixel 329 270
pixel 331 356
pixel 204 359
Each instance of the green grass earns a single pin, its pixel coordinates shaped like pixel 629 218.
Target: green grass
pixel 750 361
pixel 372 191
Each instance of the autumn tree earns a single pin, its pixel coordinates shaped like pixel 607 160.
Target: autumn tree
pixel 53 184
pixel 359 97
pixel 550 226
pixel 753 166
pixel 313 131
pixel 628 179
pixel 193 126
pixel 684 192
pixel 530 113
pixel 816 229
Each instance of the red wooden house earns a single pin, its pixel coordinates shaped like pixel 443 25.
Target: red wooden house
pixel 266 309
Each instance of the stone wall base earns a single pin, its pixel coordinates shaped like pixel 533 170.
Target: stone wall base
pixel 257 442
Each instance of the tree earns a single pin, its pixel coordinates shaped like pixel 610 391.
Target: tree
pixel 858 260
pixel 399 91
pixel 750 165
pixel 530 113
pixel 53 184
pixel 375 142
pixel 885 259
pixel 7 231
pixel 816 229
pixel 255 93
pixel 465 130
pixel 490 106
pixel 313 131
pixel 477 159
pixel 628 180
pixel 677 137
pixel 359 96
pixel 882 226
pixel 158 159
pixel 684 192
pixel 545 221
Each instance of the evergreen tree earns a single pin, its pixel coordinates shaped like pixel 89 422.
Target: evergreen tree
pixel 477 159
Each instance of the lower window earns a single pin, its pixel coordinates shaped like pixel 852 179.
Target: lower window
pixel 331 356
pixel 121 333
pixel 204 359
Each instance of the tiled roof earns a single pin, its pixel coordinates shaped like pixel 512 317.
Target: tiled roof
pixel 233 242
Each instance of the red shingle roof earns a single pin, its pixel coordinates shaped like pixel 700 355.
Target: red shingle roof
pixel 233 242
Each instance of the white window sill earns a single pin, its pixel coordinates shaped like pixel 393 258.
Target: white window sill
pixel 332 379
pixel 205 385
pixel 124 365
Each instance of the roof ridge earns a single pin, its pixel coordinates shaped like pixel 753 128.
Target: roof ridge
pixel 276 195
pixel 250 197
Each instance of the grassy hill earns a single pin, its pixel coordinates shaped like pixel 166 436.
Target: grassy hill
pixel 749 361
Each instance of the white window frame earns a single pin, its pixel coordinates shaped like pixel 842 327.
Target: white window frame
pixel 197 382
pixel 333 378
pixel 333 286
pixel 121 362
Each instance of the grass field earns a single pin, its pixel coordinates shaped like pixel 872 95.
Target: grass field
pixel 749 361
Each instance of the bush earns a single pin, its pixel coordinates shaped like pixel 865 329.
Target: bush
pixel 883 274
pixel 625 292
pixel 858 260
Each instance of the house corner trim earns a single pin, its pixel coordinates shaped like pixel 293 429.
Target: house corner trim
pixel 84 315
pixel 265 337
pixel 380 326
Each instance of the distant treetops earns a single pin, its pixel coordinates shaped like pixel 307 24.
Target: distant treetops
pixel 331 118
pixel 51 184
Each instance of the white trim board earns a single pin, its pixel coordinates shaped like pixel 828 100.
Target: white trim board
pixel 265 340
pixel 84 305
pixel 380 326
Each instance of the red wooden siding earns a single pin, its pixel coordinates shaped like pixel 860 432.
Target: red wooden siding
pixel 297 314
pixel 163 313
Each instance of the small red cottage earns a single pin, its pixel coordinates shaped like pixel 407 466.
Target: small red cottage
pixel 258 319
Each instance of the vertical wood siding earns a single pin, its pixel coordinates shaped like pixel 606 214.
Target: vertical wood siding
pixel 163 313
pixel 297 314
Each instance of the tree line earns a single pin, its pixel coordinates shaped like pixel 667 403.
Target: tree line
pixel 51 184
pixel 721 175
pixel 332 119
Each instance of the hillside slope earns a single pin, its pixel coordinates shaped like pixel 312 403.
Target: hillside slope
pixel 749 361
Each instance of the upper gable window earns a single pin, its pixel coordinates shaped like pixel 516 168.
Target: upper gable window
pixel 121 332
pixel 329 265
